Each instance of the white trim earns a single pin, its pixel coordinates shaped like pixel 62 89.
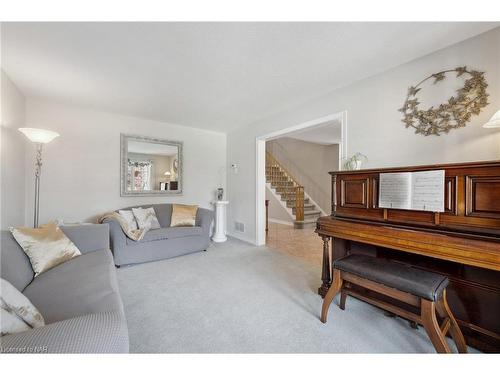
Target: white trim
pixel 343 142
pixel 281 222
pixel 241 237
pixel 260 187
pixel 308 124
pixel 260 165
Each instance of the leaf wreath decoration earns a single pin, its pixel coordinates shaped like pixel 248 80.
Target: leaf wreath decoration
pixel 455 113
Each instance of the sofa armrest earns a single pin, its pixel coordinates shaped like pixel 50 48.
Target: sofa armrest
pixel 117 236
pixel 204 218
pixel 104 332
pixel 88 237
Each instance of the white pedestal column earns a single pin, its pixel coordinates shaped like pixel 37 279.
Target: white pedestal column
pixel 220 221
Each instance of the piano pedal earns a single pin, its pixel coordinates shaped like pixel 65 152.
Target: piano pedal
pixel 389 314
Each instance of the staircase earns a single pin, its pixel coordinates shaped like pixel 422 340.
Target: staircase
pixel 291 194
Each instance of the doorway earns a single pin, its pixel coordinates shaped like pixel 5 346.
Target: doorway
pixel 292 179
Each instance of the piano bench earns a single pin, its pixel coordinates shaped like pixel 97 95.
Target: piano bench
pixel 421 289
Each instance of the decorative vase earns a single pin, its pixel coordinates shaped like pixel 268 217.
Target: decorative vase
pixel 220 194
pixel 354 165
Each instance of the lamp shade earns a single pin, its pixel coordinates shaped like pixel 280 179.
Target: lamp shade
pixel 167 173
pixel 39 135
pixel 494 121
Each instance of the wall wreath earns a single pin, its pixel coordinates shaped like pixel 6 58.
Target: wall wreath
pixel 455 113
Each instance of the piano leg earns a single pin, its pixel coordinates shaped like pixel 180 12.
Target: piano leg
pixel 332 292
pixel 445 312
pixel 325 275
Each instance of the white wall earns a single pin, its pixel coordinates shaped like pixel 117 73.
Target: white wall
pixel 81 169
pixel 374 125
pixel 12 184
pixel 276 211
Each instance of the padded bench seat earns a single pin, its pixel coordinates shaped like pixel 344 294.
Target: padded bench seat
pixel 402 277
pixel 423 290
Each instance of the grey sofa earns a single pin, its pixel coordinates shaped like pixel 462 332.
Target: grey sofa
pixel 163 243
pixel 78 299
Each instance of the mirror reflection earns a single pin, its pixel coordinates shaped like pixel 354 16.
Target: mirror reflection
pixel 150 166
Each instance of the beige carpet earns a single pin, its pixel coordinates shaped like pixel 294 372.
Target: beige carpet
pixel 238 298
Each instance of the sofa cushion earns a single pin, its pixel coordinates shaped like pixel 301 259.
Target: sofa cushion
pixel 84 285
pixel 88 237
pixel 179 232
pixel 94 333
pixel 163 213
pixel 15 264
pixel 167 233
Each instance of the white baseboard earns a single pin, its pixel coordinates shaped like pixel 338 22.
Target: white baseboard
pixel 284 222
pixel 241 237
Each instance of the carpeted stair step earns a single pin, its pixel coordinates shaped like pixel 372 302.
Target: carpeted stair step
pixel 290 202
pixel 307 206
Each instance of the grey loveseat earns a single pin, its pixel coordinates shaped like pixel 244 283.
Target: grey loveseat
pixel 79 299
pixel 165 242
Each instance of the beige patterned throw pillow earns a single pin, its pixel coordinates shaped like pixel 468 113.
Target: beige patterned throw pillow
pixel 129 217
pixel 146 218
pixel 46 247
pixel 18 313
pixel 183 215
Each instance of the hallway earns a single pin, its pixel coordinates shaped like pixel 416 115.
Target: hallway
pixel 301 243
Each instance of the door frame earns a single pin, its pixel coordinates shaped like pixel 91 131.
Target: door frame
pixel 260 151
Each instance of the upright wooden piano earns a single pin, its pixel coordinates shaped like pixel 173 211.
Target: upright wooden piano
pixel 463 242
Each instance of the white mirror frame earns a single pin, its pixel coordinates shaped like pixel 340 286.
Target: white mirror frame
pixel 124 138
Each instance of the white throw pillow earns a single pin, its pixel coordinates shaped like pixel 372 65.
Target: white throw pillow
pixel 146 218
pixel 10 323
pixel 129 217
pixel 13 302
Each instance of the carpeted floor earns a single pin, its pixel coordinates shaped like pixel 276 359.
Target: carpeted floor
pixel 238 298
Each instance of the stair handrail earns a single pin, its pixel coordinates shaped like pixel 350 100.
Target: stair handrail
pixel 270 157
pixel 315 190
pixel 299 189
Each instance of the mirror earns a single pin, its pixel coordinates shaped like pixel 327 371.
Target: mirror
pixel 150 166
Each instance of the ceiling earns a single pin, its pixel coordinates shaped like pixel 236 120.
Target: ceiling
pixel 325 134
pixel 216 76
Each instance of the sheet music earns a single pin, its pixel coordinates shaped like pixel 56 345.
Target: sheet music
pixel 395 190
pixel 428 191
